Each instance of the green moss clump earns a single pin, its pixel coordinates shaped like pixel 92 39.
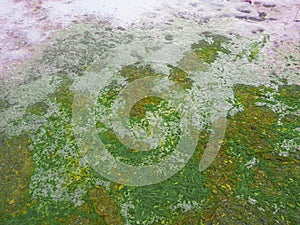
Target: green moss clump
pixel 252 51
pixel 3 104
pixel 290 95
pixel 271 182
pixel 180 77
pixel 16 169
pixel 208 52
pixel 105 206
pixel 139 109
pixel 136 71
pixel 38 108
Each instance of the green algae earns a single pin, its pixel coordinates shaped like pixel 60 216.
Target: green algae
pixel 43 209
pixel 180 77
pixel 137 116
pixel 140 107
pixel 39 108
pixel 3 104
pixel 253 133
pixel 235 189
pixel 110 210
pixel 16 169
pixel 134 72
pixel 222 191
pixel 252 51
pixel 208 51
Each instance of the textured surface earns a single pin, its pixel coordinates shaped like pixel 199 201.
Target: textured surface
pixel 235 60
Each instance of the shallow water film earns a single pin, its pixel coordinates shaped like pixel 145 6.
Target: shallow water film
pixel 146 112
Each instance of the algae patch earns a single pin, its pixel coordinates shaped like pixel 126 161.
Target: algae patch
pixel 256 168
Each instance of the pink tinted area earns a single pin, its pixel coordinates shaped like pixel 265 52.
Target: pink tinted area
pixel 26 25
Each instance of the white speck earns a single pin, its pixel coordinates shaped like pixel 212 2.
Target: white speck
pixel 283 153
pixel 252 163
pixel 252 201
